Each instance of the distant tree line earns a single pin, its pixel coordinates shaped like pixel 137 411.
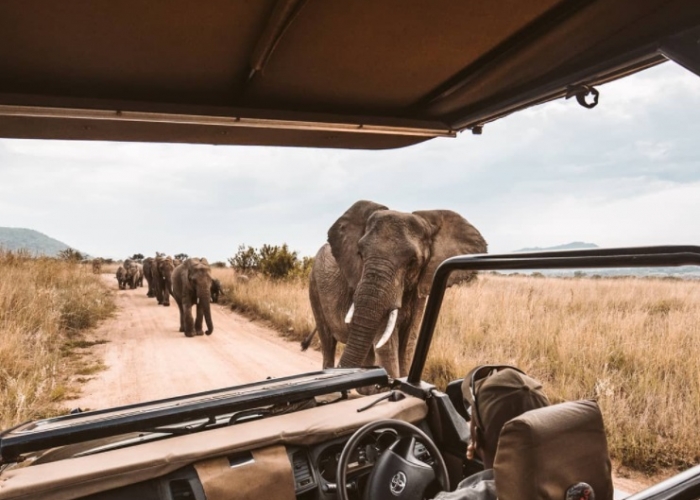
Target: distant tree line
pixel 274 261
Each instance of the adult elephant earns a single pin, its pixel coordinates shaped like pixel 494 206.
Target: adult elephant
pixel 369 283
pixel 148 274
pixel 192 286
pixel 162 272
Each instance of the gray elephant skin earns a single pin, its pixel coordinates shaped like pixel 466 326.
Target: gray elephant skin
pixel 161 275
pixel 134 273
pixel 121 278
pixel 369 283
pixel 148 275
pixel 215 290
pixel 192 286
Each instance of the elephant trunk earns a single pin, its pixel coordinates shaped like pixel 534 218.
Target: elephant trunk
pixel 204 298
pixel 374 310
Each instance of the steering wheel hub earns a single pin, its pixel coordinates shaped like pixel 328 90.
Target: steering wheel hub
pixel 398 483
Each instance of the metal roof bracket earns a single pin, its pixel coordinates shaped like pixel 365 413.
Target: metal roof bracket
pixel 580 92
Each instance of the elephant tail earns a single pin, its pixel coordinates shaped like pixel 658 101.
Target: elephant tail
pixel 307 341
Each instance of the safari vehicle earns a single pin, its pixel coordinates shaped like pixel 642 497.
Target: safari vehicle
pixel 318 73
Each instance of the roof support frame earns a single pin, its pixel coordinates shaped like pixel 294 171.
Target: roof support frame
pixel 684 49
pixel 305 122
pixel 551 87
pixel 505 50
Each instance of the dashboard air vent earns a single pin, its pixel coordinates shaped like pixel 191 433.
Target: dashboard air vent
pixel 302 471
pixel 181 489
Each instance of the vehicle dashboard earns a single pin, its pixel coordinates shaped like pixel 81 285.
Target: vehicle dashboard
pixel 313 468
pixel 168 468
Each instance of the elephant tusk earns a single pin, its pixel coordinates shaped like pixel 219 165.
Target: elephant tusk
pixel 391 324
pixel 348 316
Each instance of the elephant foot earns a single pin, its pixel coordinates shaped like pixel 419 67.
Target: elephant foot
pixel 165 304
pixel 189 334
pixel 200 332
pixel 181 329
pixel 149 294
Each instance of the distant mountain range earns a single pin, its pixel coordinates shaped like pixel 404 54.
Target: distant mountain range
pixel 15 238
pixel 575 245
pixel 687 272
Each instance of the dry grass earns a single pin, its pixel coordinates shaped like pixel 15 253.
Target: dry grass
pixel 284 304
pixel 632 344
pixel 44 305
pixel 109 268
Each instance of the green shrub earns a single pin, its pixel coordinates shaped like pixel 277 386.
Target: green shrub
pixel 273 261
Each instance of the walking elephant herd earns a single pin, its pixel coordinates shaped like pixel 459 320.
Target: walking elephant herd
pixel 189 282
pixel 368 284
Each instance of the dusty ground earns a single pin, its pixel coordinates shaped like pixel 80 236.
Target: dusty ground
pixel 147 358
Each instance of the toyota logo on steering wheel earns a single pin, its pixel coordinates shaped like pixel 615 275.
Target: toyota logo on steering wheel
pixel 398 483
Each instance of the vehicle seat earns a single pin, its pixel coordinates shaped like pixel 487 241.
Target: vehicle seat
pixel 544 452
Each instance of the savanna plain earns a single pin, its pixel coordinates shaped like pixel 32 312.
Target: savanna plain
pixel 632 344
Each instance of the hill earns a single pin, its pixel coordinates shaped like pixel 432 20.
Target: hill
pixel 575 245
pixel 685 272
pixel 15 238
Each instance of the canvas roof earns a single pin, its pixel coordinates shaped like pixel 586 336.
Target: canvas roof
pixel 323 73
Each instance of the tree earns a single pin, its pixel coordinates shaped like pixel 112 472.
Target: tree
pixel 71 255
pixel 182 256
pixel 274 261
pixel 277 262
pixel 137 257
pixel 245 260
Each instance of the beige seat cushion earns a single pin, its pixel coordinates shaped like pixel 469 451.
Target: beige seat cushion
pixel 545 451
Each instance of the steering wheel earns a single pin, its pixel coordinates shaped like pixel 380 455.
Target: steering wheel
pixel 397 473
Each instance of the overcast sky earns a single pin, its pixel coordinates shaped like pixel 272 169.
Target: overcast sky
pixel 625 173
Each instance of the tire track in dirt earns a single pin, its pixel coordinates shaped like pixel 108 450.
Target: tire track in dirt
pixel 147 358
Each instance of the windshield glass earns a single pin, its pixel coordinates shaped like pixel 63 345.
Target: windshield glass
pixel 127 310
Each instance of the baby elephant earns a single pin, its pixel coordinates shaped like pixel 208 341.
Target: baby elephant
pixel 134 275
pixel 121 278
pixel 192 284
pixel 215 290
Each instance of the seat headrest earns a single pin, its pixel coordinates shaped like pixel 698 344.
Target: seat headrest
pixel 543 452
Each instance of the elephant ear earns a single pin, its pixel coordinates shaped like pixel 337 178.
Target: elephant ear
pixel 452 235
pixel 344 235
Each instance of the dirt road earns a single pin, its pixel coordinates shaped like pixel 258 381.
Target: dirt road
pixel 147 358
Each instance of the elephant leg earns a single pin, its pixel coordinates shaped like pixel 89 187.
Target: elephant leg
pixel 166 296
pixel 388 357
pixel 199 320
pixel 159 292
pixel 189 321
pixel 369 390
pixel 182 314
pixel 328 345
pixel 409 339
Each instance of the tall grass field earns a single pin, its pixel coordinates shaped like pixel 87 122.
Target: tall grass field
pixel 632 344
pixel 44 305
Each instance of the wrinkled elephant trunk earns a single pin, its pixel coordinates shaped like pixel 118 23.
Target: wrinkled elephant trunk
pixel 204 308
pixel 207 317
pixel 373 320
